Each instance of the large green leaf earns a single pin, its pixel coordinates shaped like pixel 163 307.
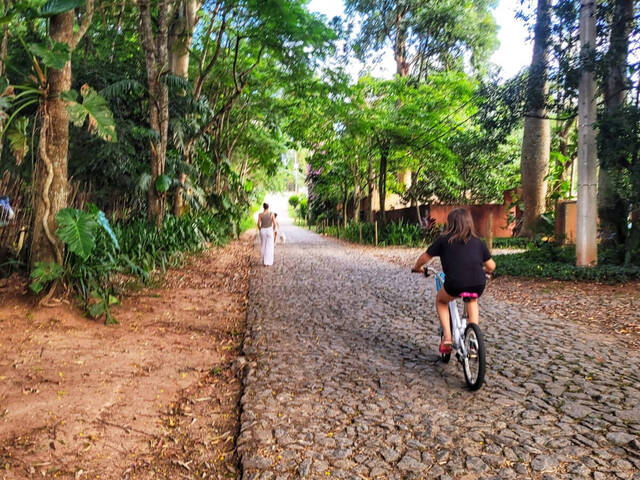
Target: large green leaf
pixel 163 183
pixel 77 230
pixel 54 7
pixel 43 273
pixel 54 56
pixel 95 109
pixel 19 138
pixel 103 221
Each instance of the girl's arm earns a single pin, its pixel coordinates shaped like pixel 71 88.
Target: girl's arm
pixel 259 222
pixel 489 266
pixel 420 262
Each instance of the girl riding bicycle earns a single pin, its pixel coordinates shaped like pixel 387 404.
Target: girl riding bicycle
pixel 465 261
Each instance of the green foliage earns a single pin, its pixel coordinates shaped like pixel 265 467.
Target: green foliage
pixel 294 200
pixel 163 183
pixel 511 242
pixel 77 229
pixel 98 250
pixel 443 34
pixel 55 7
pixel 18 138
pixel 303 207
pixel 54 56
pixel 393 234
pixel 401 233
pixel 95 109
pixel 44 273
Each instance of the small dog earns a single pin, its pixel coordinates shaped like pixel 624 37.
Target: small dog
pixel 282 237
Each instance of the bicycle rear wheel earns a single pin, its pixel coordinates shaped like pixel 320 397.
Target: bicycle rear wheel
pixel 474 363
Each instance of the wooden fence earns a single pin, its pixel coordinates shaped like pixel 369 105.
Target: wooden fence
pixel 14 236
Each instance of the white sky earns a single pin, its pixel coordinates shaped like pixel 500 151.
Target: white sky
pixel 515 50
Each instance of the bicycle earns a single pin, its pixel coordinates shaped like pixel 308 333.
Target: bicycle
pixel 467 337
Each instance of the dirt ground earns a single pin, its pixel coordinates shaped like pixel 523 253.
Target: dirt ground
pixel 156 396
pixel 613 309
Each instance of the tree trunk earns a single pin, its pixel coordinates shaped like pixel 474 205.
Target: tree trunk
pixel 536 142
pixel 3 61
pixel 50 172
pixel 356 201
pixel 180 42
pixel 586 233
pixel 611 206
pixel 345 199
pixel 400 45
pixel 382 182
pixel 370 190
pixel 155 47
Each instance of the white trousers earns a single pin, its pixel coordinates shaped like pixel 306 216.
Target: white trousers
pixel 267 245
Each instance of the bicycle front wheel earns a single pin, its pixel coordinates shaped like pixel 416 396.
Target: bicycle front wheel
pixel 474 363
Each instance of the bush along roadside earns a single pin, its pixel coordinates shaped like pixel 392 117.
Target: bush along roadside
pixel 96 251
pixel 393 234
pixel 559 263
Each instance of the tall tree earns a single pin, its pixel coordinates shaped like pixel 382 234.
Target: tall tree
pixel 180 37
pixel 611 205
pixel 428 35
pixel 536 141
pixel 50 174
pixel 156 54
pixel 586 230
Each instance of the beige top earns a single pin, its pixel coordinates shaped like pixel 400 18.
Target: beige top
pixel 266 220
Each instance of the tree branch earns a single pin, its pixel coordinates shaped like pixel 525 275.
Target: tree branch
pixel 84 25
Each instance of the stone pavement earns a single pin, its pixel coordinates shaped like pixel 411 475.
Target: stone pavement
pixel 343 382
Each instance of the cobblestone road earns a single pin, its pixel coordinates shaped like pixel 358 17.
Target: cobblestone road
pixel 342 382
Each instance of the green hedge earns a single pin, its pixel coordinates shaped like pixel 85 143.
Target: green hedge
pixel 559 263
pixel 511 242
pixel 394 234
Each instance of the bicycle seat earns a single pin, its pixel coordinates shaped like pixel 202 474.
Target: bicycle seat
pixel 467 296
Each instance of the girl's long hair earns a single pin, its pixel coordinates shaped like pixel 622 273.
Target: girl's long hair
pixel 459 226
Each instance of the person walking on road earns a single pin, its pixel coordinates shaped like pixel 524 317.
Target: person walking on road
pixel 266 222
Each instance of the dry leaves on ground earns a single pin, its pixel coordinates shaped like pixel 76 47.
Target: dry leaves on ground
pixel 612 309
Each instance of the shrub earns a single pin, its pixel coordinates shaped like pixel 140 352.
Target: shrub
pixel 394 234
pixel 512 242
pixel 398 234
pixel 294 200
pixel 303 207
pixel 97 251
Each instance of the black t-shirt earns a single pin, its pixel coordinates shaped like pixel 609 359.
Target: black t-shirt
pixel 461 262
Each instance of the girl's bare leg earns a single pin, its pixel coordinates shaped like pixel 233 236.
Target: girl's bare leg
pixel 472 310
pixel 442 306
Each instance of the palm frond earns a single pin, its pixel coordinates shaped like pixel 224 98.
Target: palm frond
pixel 176 82
pixel 122 88
pixel 144 182
pixel 142 133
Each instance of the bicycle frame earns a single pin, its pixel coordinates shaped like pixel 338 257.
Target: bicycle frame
pixel 458 325
pixel 466 340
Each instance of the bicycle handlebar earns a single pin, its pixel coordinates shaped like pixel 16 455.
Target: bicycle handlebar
pixel 430 270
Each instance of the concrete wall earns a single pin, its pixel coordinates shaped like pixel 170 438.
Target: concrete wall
pixel 566 220
pixel 395 212
pixel 481 214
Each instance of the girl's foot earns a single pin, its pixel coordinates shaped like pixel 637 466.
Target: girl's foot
pixel 445 347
